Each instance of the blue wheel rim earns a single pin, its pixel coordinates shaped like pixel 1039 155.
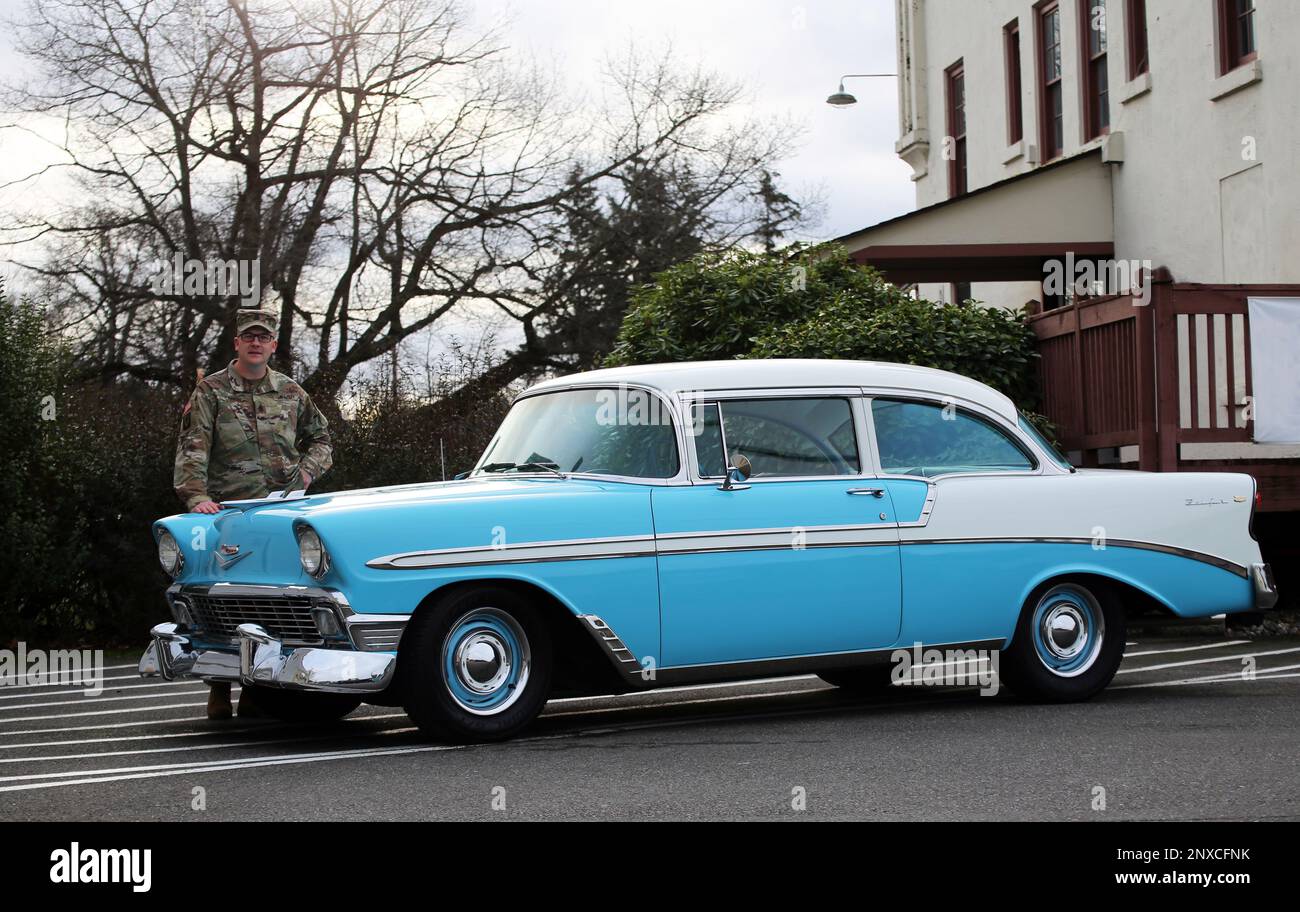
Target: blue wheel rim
pixel 486 661
pixel 1068 629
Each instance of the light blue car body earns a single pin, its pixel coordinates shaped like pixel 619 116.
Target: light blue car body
pixel 638 556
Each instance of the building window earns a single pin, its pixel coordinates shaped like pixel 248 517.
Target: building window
pixel 1236 33
pixel 1096 87
pixel 1015 120
pixel 1051 114
pixel 961 292
pixel 1138 57
pixel 956 80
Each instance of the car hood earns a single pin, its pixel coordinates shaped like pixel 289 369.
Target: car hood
pixel 359 526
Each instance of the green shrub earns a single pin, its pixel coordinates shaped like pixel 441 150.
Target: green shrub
pixel 987 344
pixel 713 306
pixel 818 303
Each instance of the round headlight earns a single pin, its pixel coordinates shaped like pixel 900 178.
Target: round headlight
pixel 169 554
pixel 311 552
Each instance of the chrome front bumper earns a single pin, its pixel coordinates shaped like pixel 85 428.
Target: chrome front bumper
pixel 265 661
pixel 1265 589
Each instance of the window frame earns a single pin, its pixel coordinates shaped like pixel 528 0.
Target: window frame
pixel 1049 150
pixel 866 468
pixel 958 166
pixel 1137 40
pixel 1226 22
pixel 1014 435
pixel 1012 62
pixel 1092 106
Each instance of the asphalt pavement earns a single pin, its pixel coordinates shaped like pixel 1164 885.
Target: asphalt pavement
pixel 1204 728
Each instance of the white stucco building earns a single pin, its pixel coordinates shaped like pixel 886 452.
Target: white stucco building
pixel 1161 131
pixel 1147 152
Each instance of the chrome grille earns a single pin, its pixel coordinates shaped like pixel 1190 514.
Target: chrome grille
pixel 287 618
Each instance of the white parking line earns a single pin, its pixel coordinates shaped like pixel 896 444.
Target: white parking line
pixel 1264 674
pixel 106 712
pixel 84 700
pixel 68 693
pixel 81 683
pixel 135 665
pixel 1227 658
pixel 214 732
pixel 1151 652
pixel 92 777
pixel 186 748
pixel 89 777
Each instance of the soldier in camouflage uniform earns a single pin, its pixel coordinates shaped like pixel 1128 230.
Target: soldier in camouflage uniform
pixel 246 432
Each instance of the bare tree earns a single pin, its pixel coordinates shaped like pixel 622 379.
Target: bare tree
pixel 382 164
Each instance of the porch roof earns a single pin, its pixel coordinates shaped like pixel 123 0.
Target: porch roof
pixel 999 233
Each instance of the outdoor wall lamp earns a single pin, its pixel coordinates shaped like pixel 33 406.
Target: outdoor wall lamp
pixel 843 99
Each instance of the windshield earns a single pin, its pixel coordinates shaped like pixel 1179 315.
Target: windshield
pixel 622 431
pixel 1051 451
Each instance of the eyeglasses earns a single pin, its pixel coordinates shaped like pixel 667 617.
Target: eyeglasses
pixel 255 337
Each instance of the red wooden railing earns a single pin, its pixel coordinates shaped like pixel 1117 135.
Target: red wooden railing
pixel 1118 372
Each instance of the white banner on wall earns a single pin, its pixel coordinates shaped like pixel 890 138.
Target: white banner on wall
pixel 1275 368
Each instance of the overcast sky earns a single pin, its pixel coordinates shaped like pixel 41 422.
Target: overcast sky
pixel 789 56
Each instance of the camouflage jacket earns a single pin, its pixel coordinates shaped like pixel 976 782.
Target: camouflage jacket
pixel 244 439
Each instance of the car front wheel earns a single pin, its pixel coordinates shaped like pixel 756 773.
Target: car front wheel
pixel 477 666
pixel 1068 642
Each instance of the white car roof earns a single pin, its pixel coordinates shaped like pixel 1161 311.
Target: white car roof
pixel 703 376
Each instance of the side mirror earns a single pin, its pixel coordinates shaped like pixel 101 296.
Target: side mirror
pixel 741 467
pixel 738 471
pixel 460 477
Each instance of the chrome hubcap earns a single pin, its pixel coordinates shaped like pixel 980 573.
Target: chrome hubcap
pixel 1068 630
pixel 1065 631
pixel 486 661
pixel 483 662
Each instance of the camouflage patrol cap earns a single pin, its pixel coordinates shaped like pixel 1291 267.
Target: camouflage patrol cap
pixel 247 318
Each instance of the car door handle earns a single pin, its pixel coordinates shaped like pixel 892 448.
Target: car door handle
pixel 874 492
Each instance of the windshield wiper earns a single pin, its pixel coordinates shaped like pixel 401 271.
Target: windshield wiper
pixel 532 466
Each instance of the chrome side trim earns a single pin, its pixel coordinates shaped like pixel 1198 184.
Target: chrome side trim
pixel 630 670
pixel 525 552
pixel 789 665
pixel 1221 563
pixel 792 538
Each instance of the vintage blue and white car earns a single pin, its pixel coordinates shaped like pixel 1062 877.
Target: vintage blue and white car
pixel 604 544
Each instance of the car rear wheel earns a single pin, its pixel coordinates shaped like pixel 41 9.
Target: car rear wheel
pixel 300 706
pixel 477 666
pixel 1068 642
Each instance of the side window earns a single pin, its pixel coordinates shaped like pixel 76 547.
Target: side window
pixel 781 437
pixel 917 438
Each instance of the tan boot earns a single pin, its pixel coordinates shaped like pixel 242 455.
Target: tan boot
pixel 248 708
pixel 219 700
